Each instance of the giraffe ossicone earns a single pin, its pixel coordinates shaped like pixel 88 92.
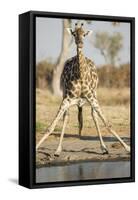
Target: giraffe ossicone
pixel 79 82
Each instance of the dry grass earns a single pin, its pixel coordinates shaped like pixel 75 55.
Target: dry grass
pixel 113 96
pixel 114 103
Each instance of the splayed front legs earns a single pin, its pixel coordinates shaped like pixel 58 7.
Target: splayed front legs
pixel 66 103
pixel 95 119
pixel 97 111
pixel 64 106
pixel 59 149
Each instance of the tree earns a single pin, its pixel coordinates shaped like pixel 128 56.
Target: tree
pixel 102 43
pixel 115 45
pixel 109 46
pixel 62 57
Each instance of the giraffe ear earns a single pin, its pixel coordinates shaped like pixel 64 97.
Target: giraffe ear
pixel 88 33
pixel 69 30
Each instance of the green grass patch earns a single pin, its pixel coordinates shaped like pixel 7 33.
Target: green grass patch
pixel 58 129
pixel 40 126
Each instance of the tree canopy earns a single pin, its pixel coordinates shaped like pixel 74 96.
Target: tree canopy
pixel 109 45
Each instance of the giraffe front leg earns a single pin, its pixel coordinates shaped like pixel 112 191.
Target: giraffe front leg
pixel 94 116
pixel 99 112
pixel 64 106
pixel 65 119
pixel 80 119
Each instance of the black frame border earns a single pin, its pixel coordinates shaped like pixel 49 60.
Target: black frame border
pixel 27 90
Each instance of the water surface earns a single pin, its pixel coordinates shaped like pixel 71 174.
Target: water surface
pixel 83 171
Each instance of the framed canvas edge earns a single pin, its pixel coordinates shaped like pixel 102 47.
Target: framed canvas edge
pixel 24 45
pixel 30 142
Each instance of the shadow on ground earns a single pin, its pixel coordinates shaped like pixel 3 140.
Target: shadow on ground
pixel 93 138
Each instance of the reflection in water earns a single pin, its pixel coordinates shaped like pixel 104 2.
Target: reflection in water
pixel 83 171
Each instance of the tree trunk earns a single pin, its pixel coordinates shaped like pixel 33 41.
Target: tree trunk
pixel 61 60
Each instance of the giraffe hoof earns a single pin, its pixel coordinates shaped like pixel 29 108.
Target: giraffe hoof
pixel 57 153
pixel 105 151
pixel 128 149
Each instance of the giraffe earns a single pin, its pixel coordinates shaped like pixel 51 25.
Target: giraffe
pixel 79 82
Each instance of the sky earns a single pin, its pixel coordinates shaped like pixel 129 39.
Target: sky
pixel 49 39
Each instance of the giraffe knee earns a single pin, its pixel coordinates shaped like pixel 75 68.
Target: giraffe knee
pixel 108 125
pixel 94 114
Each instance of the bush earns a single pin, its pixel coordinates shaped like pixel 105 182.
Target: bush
pixel 110 76
pixel 44 70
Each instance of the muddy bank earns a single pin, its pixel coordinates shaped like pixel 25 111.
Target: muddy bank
pixel 76 149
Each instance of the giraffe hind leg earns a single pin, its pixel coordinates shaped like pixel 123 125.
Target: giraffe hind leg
pixel 80 119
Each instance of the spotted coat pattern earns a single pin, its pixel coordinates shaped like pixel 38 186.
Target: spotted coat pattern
pixel 79 78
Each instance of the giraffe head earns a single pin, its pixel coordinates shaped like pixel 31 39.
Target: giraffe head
pixel 79 34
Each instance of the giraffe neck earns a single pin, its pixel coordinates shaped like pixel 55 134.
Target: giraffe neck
pixel 81 60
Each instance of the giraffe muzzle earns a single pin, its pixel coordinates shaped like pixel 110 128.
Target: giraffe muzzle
pixel 80 44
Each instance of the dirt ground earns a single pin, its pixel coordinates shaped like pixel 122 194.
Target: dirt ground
pixel 86 147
